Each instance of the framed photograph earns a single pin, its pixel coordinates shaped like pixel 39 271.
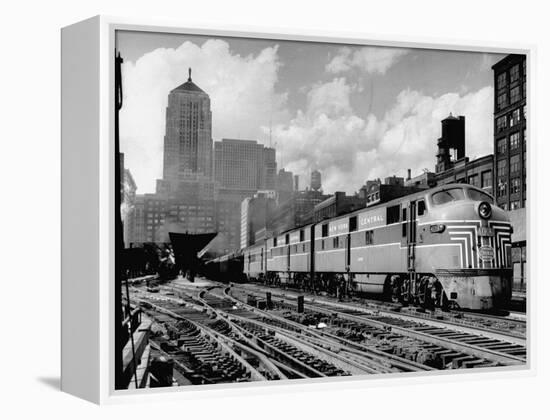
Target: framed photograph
pixel 248 211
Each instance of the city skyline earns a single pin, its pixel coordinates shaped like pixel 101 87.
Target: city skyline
pixel 385 104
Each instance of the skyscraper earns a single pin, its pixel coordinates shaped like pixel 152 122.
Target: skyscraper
pixel 244 165
pixel 241 168
pixel 188 138
pixel 187 189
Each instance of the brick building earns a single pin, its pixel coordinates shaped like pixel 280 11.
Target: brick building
pixel 510 136
pixel 510 140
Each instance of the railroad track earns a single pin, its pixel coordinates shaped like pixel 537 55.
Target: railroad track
pixel 430 342
pixel 199 342
pixel 508 328
pixel 346 356
pixel 214 336
pixel 335 358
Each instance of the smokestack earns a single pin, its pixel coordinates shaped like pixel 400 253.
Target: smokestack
pixel 408 174
pixel 296 183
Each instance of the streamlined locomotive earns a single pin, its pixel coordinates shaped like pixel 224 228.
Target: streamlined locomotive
pixel 446 246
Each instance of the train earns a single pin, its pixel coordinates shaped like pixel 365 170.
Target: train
pixel 448 246
pixel 226 268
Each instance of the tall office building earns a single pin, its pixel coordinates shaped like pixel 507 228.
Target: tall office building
pixel 185 195
pixel 284 186
pixel 241 168
pixel 270 169
pixel 510 131
pixel 188 138
pixel 244 165
pixel 255 214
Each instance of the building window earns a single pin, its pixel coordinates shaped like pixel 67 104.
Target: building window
pixel 514 164
pixel 486 179
pixel 514 73
pixel 474 180
pixel 501 190
pixel 524 112
pixel 501 123
pixel 501 168
pixel 514 117
pixel 514 185
pixel 524 139
pixel 501 146
pixel 514 141
pixel 514 95
pixel 501 80
pixel 501 101
pixel 514 205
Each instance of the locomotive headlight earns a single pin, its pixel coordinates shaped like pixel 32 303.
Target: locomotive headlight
pixel 484 210
pixel 437 228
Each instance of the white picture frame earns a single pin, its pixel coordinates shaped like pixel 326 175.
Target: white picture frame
pixel 87 202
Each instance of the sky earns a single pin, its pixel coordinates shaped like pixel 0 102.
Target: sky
pixel 352 112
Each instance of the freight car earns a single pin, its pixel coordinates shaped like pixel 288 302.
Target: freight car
pixel 448 246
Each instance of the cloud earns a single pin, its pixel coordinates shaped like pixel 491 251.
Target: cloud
pixel 348 149
pixel 241 89
pixel 371 60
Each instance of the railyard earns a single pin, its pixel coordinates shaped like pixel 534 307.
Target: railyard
pixel 206 332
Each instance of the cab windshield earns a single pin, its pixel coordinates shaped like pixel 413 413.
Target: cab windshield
pixel 477 195
pixel 446 196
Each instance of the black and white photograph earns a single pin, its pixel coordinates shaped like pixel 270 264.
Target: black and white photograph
pixel 297 210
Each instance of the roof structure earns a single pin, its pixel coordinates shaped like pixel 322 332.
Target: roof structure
pixel 189 86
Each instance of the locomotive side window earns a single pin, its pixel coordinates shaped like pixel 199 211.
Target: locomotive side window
pixel 324 230
pixel 302 235
pixel 335 243
pixel 404 224
pixel 392 214
pixel 369 236
pixel 275 241
pixel 287 239
pixel 446 196
pixel 353 224
pixel 421 207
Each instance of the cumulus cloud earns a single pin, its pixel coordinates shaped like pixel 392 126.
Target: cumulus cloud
pixel 367 59
pixel 241 89
pixel 349 149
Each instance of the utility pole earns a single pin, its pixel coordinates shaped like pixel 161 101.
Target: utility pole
pixel 119 239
